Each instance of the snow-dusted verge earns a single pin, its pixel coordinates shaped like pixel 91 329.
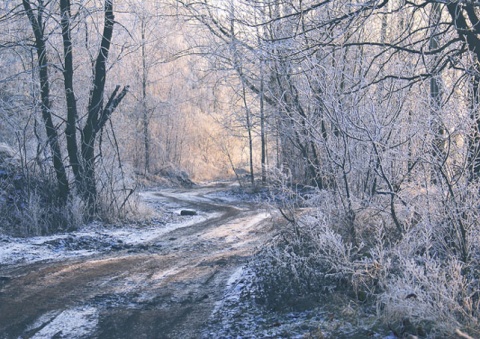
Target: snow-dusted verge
pixel 89 240
pixel 96 237
pixel 240 315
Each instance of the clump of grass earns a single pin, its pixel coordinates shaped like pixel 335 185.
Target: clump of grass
pixel 31 207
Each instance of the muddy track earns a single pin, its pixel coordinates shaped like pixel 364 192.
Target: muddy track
pixel 165 288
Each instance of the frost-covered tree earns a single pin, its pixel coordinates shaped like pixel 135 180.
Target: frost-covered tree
pixel 47 21
pixel 375 104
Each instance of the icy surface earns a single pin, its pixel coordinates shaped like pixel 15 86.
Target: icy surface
pixel 240 315
pixel 72 323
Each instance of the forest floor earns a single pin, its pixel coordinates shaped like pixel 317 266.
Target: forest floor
pixel 172 277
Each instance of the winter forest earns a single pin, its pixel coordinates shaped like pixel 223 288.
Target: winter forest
pixel 356 122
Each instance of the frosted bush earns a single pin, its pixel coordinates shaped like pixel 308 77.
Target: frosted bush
pixel 307 257
pixel 424 276
pixel 75 212
pixel 32 216
pixel 33 209
pixel 41 217
pixel 431 293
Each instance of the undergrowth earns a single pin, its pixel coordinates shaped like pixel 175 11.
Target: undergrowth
pixel 31 206
pixel 423 282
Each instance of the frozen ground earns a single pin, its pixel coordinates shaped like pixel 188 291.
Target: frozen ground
pixel 160 279
pixel 173 277
pixel 92 239
pixel 238 315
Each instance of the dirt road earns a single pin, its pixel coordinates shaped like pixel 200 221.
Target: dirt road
pixel 164 287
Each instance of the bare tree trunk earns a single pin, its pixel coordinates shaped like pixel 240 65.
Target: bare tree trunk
pixel 98 114
pixel 72 112
pixel 474 139
pixel 436 90
pixel 263 138
pixel 249 131
pixel 146 140
pixel 52 133
pixel 239 68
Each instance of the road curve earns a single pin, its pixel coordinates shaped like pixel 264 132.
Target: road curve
pixel 166 287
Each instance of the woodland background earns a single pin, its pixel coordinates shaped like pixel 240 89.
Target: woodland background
pixel 371 107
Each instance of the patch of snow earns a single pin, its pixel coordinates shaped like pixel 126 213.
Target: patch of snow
pixel 240 315
pixel 136 236
pixel 90 240
pixel 166 273
pixel 43 319
pixel 232 232
pixel 21 250
pixel 224 196
pixel 232 290
pixel 73 323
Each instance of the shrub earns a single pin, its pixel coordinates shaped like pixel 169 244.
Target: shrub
pixel 30 207
pixel 307 258
pixel 420 281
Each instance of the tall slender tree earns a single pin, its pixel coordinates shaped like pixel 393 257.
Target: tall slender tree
pixel 81 150
pixel 36 19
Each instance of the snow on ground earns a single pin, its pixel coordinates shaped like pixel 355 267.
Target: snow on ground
pixel 72 323
pixel 231 233
pixel 236 193
pixel 87 241
pixel 94 238
pixel 238 315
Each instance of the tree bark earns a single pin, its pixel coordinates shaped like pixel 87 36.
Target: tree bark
pixel 436 90
pixel 98 115
pixel 52 134
pixel 146 133
pixel 72 111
